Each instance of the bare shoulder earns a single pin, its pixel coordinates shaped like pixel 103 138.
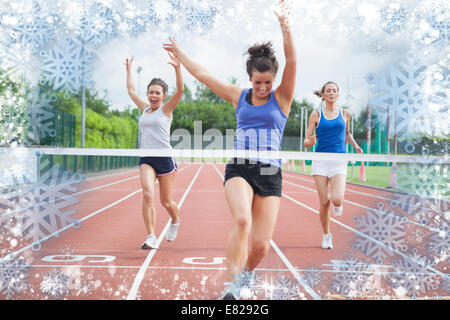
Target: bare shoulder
pixel 346 113
pixel 314 116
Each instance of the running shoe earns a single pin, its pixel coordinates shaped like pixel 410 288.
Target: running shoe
pixel 173 230
pixel 246 281
pixel 232 290
pixel 326 241
pixel 338 211
pixel 150 242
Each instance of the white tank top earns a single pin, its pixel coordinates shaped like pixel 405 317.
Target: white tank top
pixel 155 129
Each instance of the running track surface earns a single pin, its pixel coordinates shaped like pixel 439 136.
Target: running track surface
pixel 102 258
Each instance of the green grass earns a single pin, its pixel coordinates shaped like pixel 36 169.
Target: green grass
pixel 375 175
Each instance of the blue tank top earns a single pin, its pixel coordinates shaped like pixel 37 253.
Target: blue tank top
pixel 331 134
pixel 259 127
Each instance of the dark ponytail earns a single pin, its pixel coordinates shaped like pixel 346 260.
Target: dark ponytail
pixel 321 91
pixel 261 58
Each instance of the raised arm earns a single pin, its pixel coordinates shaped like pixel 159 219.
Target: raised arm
pixel 141 104
pixel 310 139
pixel 228 92
pixel 170 105
pixel 285 91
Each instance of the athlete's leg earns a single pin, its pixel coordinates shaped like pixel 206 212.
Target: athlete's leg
pixel 239 195
pixel 324 208
pixel 148 176
pixel 338 189
pixel 165 194
pixel 264 218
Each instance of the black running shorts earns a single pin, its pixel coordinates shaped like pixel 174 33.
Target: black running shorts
pixel 265 179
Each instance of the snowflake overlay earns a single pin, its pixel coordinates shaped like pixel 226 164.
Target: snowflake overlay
pixel 393 19
pixel 55 283
pixel 427 178
pixel 424 210
pixel 98 26
pixel 399 97
pixel 40 116
pixel 412 277
pixel 281 288
pixel 433 20
pixel 387 229
pixel 313 276
pixel 34 28
pixel 379 48
pixel 68 66
pixel 36 210
pixel 439 242
pixel 13 277
pixel 356 279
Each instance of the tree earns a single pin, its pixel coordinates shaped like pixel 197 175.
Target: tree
pixel 293 123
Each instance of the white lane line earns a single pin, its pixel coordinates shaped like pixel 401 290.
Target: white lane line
pixel 13 254
pixel 82 192
pixel 372 209
pixel 285 260
pixel 366 236
pixel 76 223
pixel 374 272
pixel 140 275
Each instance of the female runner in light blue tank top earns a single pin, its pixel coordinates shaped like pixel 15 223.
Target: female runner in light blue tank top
pixel 332 132
pixel 154 125
pixel 253 198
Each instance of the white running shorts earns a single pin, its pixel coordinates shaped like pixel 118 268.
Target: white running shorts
pixel 328 168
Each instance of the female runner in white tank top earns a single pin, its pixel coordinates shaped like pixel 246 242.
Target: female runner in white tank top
pixel 154 125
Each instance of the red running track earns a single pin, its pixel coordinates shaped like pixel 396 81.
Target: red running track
pixel 102 259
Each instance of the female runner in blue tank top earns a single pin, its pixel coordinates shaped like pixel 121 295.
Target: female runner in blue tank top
pixel 252 189
pixel 332 132
pixel 154 125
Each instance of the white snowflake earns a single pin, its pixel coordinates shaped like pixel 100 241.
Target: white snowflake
pixel 40 116
pixel 163 11
pixel 40 205
pixel 393 19
pixel 379 48
pixel 446 284
pixel 13 275
pixel 424 210
pixel 20 62
pixel 35 28
pixel 354 278
pixel 199 17
pixel 97 26
pixel 285 289
pixel 412 277
pixel 313 276
pixel 67 252
pixel 280 288
pixel 384 227
pixel 439 242
pixel 399 97
pixel 13 116
pixel 433 20
pixel 427 178
pixel 55 283
pixel 68 66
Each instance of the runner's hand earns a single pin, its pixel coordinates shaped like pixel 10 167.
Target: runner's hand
pixel 313 140
pixel 174 60
pixel 128 63
pixel 172 47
